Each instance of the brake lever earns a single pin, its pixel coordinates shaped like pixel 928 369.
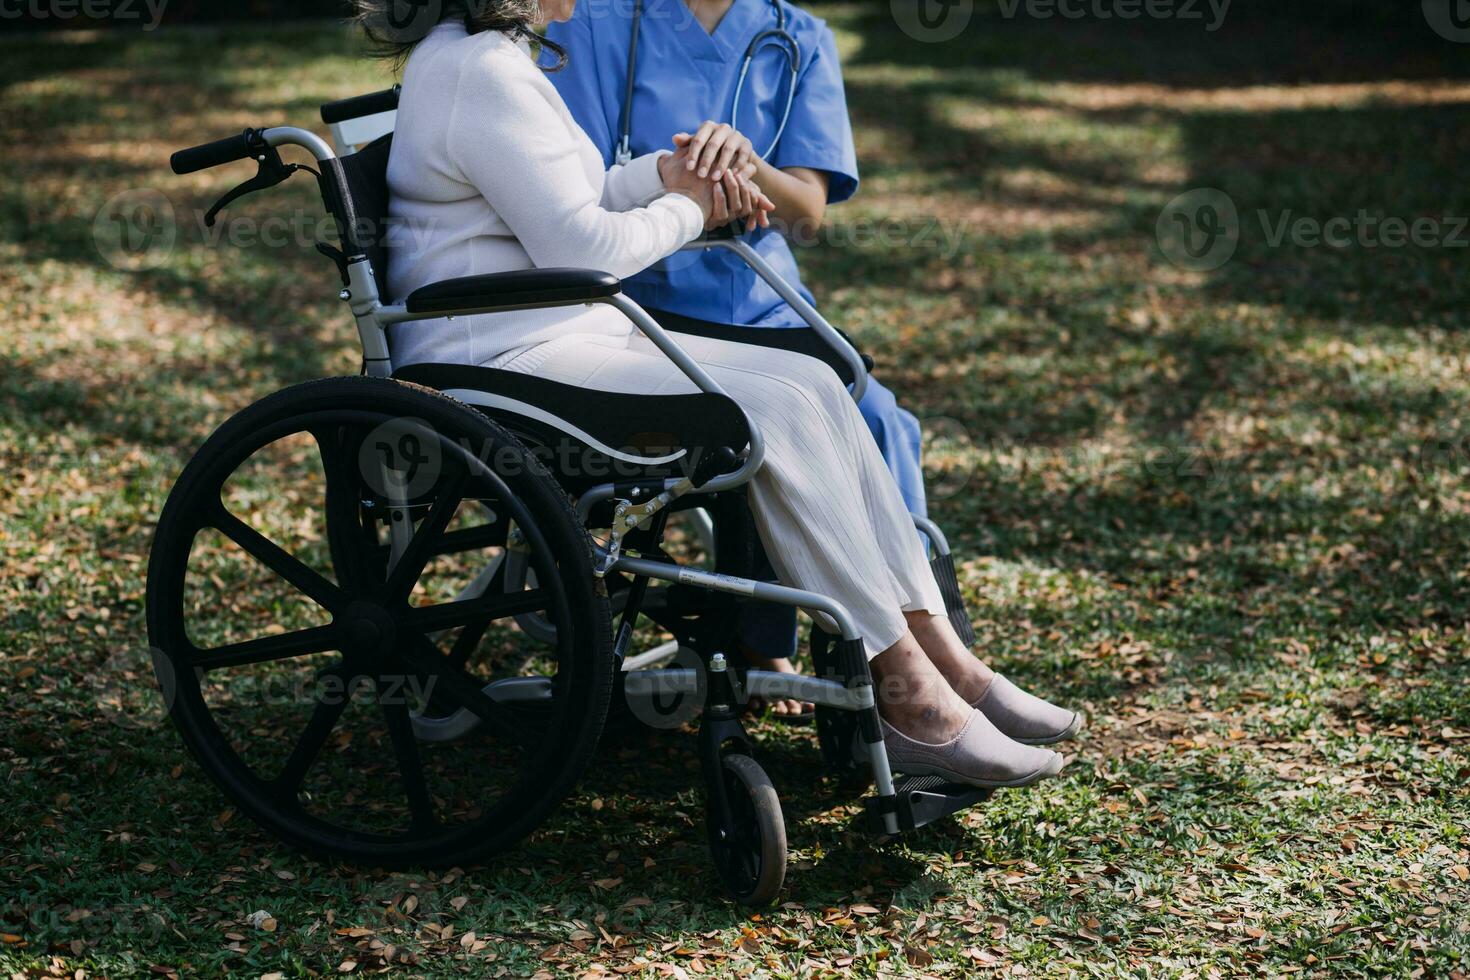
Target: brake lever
pixel 273 170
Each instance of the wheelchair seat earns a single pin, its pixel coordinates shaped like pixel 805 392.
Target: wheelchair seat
pixel 585 436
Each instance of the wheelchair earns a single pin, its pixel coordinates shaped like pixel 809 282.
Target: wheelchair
pixel 454 616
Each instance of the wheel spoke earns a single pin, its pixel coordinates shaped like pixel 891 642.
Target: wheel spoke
pixel 262 649
pixel 428 619
pixel 456 686
pixel 410 564
pixel 410 764
pixel 324 717
pixel 469 637
pixel 465 643
pixel 269 554
pixel 474 538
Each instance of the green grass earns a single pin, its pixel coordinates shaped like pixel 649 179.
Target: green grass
pixel 1226 511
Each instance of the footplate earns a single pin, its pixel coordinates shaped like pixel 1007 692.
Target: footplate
pixel 921 800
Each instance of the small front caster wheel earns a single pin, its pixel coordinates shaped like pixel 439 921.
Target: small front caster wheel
pixel 747 834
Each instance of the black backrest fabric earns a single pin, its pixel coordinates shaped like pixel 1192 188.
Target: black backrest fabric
pixel 802 340
pixel 355 189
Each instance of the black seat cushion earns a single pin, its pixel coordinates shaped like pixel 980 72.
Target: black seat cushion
pixel 587 437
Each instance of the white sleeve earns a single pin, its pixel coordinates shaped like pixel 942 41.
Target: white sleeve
pixel 513 147
pixel 633 184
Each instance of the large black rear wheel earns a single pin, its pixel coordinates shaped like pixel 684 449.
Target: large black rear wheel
pixel 322 590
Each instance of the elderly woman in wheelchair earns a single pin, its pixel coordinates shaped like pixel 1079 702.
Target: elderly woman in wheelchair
pixel 528 428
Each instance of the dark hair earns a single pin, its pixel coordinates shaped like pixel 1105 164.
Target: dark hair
pixel 395 27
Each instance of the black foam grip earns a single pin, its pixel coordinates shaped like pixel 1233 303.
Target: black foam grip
pixel 214 154
pixel 954 602
pixel 360 105
pixel 852 660
pixel 716 462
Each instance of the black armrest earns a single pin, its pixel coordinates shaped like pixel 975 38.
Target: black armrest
pixel 530 288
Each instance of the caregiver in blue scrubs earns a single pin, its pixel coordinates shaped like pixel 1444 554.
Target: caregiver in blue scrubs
pixel 689 60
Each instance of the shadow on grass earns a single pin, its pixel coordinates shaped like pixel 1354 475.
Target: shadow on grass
pixel 1281 43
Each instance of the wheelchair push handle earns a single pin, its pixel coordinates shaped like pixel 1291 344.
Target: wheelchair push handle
pixel 218 153
pixel 361 105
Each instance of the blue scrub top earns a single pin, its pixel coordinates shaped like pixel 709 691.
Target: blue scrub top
pixel 684 76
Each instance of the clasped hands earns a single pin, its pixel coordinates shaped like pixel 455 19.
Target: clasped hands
pixel 713 167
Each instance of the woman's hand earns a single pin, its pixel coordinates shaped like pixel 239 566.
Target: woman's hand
pixel 716 148
pixel 679 179
pixel 742 200
pixel 733 197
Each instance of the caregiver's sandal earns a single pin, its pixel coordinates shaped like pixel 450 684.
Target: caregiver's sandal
pixel 1025 717
pixel 980 755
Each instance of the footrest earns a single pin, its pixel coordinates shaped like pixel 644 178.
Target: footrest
pixel 922 800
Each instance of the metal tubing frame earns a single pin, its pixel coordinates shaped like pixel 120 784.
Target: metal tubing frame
pixel 758 683
pixel 764 591
pixel 931 531
pixel 294 136
pixel 803 309
pixel 811 601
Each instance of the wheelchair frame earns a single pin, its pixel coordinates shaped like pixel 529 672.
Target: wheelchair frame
pixel 896 805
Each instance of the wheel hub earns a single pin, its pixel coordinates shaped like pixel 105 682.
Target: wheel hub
pixel 369 630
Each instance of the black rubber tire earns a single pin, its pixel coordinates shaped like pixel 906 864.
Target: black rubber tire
pixel 584 665
pixel 749 855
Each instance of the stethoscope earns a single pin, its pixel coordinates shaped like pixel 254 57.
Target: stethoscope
pixel 777 37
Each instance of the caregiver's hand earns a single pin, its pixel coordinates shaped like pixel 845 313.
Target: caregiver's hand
pixel 732 197
pixel 716 148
